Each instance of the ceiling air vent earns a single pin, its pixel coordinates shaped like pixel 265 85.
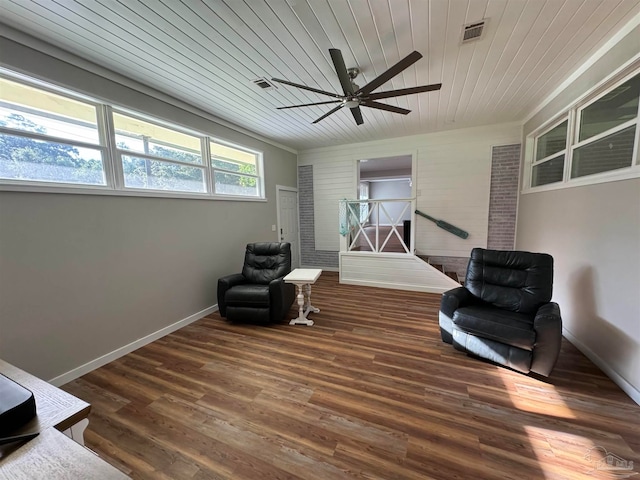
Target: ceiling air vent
pixel 472 32
pixel 263 83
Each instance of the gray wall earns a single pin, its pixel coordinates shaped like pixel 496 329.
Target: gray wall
pixel 593 232
pixel 83 275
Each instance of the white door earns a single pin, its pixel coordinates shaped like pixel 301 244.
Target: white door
pixel 288 222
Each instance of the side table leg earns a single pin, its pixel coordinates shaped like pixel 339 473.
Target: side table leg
pixel 310 308
pixel 302 318
pixel 76 432
pixel 300 302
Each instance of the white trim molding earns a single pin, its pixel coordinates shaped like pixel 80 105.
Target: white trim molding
pixel 122 351
pixel 618 379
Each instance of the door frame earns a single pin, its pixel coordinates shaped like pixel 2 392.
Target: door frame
pixel 280 188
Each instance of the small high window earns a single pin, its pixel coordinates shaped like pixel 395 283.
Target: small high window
pixel 551 149
pixel 597 136
pixel 606 132
pixel 235 171
pixel 47 137
pixel 158 158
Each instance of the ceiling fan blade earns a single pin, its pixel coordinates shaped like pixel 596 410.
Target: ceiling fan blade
pixel 309 104
pixel 404 91
pixel 341 70
pixel 304 87
pixel 333 110
pixel 406 62
pixel 384 106
pixel 357 115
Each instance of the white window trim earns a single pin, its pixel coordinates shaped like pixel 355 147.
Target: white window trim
pixel 112 156
pixel 561 120
pixel 572 113
pixel 259 165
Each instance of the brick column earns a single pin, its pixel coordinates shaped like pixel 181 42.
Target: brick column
pixel 309 256
pixel 503 197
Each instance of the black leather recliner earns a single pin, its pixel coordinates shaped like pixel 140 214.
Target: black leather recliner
pixel 258 294
pixel 504 313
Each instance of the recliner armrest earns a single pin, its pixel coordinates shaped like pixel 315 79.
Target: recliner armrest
pixel 548 327
pixel 456 298
pixel 224 284
pixel 281 296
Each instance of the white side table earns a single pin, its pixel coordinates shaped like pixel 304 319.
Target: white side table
pixel 303 278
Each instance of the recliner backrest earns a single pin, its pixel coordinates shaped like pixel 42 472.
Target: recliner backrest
pixel 264 262
pixel 511 280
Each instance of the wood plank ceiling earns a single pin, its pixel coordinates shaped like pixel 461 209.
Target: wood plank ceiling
pixel 208 52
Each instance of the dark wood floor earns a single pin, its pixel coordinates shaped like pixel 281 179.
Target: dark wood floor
pixel 368 392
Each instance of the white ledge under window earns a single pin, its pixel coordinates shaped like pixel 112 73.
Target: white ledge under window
pixel 93 190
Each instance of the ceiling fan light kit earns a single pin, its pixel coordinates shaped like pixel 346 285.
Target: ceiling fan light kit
pixel 353 96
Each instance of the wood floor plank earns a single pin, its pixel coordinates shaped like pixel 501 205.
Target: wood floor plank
pixel 369 392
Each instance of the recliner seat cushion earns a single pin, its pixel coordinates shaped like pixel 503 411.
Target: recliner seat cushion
pixel 248 295
pixel 511 328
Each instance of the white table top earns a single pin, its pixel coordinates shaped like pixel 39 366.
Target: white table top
pixel 303 275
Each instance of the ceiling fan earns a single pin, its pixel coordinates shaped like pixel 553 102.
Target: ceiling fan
pixel 354 97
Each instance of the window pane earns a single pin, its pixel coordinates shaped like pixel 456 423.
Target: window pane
pixel 548 172
pixel 609 153
pixel 232 184
pixel 554 141
pixel 233 159
pixel 24 158
pixel 615 108
pixel 32 110
pixel 144 137
pixel 158 175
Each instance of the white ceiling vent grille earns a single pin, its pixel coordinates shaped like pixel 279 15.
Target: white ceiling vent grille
pixel 263 83
pixel 472 32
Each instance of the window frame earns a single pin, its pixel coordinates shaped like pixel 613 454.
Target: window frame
pixel 563 152
pixel 112 155
pixel 573 114
pixel 259 176
pixel 120 152
pixel 100 146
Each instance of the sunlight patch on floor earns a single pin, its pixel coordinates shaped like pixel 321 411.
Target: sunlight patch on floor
pixel 533 396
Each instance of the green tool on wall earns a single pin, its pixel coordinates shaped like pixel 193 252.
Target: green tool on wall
pixel 458 232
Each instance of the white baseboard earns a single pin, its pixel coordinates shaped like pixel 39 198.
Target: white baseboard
pixel 141 342
pixel 629 389
pixel 396 286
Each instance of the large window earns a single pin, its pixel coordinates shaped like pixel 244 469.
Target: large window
pixel 46 137
pixel 51 137
pixel 598 136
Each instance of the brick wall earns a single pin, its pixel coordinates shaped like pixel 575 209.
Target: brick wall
pixel 503 197
pixel 309 256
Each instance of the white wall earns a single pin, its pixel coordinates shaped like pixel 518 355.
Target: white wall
pixel 84 275
pixel 390 189
pixel 453 173
pixel 593 232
